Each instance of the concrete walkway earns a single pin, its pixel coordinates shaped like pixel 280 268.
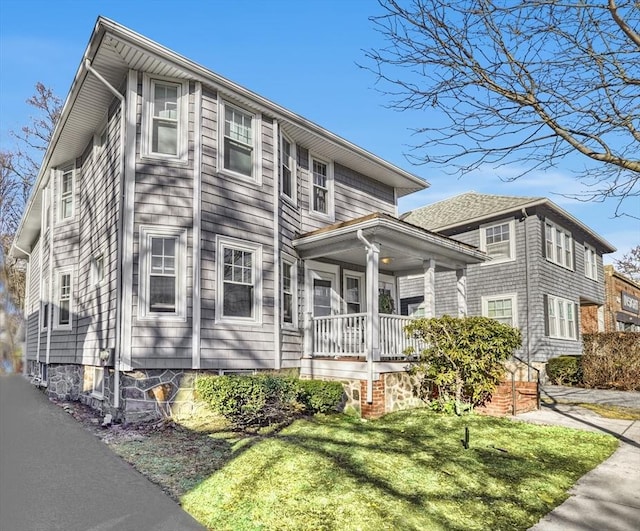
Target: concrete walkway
pixel 608 497
pixel 55 475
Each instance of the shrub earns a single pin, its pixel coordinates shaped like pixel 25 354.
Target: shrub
pixel 564 370
pixel 320 396
pixel 612 360
pixel 260 400
pixel 464 359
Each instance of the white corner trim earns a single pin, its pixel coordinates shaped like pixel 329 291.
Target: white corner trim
pixel 197 225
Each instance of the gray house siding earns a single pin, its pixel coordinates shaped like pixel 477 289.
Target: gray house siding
pixel 531 277
pixel 163 198
pixel 32 303
pixel 98 211
pixel 66 246
pixel 242 210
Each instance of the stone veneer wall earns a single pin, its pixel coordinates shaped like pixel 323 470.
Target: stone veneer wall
pixel 64 382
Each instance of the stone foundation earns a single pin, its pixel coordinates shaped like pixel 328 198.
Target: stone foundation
pixel 64 382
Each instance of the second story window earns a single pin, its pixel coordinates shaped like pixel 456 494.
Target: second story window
pixel 498 241
pixel 558 245
pixel 66 196
pixel 590 263
pixel 287 169
pixel 321 188
pixel 239 150
pixel 164 119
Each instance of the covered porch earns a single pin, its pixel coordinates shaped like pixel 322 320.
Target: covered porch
pixel 351 327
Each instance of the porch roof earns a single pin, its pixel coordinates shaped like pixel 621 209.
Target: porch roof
pixel 403 247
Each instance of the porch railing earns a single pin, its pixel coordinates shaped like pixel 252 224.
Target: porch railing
pixel 344 336
pixel 393 339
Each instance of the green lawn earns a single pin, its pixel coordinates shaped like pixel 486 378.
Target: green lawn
pixel 408 470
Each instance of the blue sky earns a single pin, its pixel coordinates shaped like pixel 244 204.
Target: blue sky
pixel 300 54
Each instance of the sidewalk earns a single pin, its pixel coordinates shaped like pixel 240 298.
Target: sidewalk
pixel 608 497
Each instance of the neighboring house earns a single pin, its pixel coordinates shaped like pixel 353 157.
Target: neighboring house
pixel 545 269
pixel 181 223
pixel 622 305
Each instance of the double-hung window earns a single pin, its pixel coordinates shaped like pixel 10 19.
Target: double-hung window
pixel 97 269
pixel 289 291
pixel 501 308
pixel 65 205
pixel 590 263
pixel 321 186
pixel 162 273
pixel 353 292
pixel 239 295
pixel 63 300
pixel 287 169
pixel 498 241
pixel 239 132
pixel 164 119
pixel 44 305
pixel 558 245
pixel 561 318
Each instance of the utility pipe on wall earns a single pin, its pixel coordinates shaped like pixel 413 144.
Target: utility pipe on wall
pixel 123 125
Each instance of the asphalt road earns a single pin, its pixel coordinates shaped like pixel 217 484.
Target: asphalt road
pixel 54 475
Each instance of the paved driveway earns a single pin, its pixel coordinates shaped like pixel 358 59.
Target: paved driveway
pixel 54 475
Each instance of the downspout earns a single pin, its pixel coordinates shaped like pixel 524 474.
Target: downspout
pixel 51 189
pixel 117 353
pixel 276 252
pixel 526 280
pixel 24 310
pixel 371 248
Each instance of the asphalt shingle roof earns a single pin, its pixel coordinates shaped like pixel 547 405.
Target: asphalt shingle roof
pixel 465 207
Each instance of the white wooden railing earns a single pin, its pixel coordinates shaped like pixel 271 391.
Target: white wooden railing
pixel 344 336
pixel 393 339
pixel 339 335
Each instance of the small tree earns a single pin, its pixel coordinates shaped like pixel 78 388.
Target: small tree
pixel 463 359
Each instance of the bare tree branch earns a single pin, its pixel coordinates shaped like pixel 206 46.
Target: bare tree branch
pixel 530 81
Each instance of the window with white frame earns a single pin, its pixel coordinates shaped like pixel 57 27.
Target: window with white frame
pixel 239 150
pixel 64 296
pixel 97 269
pixel 162 273
pixel 98 382
pixel 502 308
pixel 353 292
pixel 590 262
pixel 66 203
pixel 498 241
pixel 561 318
pixel 289 290
pixel 239 275
pixel 165 118
pixel 44 305
pixel 321 201
pixel 558 245
pixel 46 209
pixel 287 168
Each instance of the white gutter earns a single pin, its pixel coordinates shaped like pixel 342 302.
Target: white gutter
pixel 372 307
pixel 117 353
pixel 277 331
pixel 196 313
pixel 527 292
pixel 24 310
pixel 51 199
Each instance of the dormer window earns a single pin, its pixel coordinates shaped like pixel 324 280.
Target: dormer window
pixel 164 120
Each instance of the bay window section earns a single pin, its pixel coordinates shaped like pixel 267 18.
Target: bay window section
pixel 558 245
pixel 562 317
pixel 239 277
pixel 590 263
pixel 162 274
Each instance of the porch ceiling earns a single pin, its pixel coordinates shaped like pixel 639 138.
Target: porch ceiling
pixel 403 247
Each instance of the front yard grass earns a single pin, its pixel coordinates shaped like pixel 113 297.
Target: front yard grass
pixel 408 470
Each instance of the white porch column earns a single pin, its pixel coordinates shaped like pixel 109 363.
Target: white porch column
pixel 461 291
pixel 429 288
pixel 373 311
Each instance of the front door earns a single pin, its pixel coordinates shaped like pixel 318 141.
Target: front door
pixel 322 289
